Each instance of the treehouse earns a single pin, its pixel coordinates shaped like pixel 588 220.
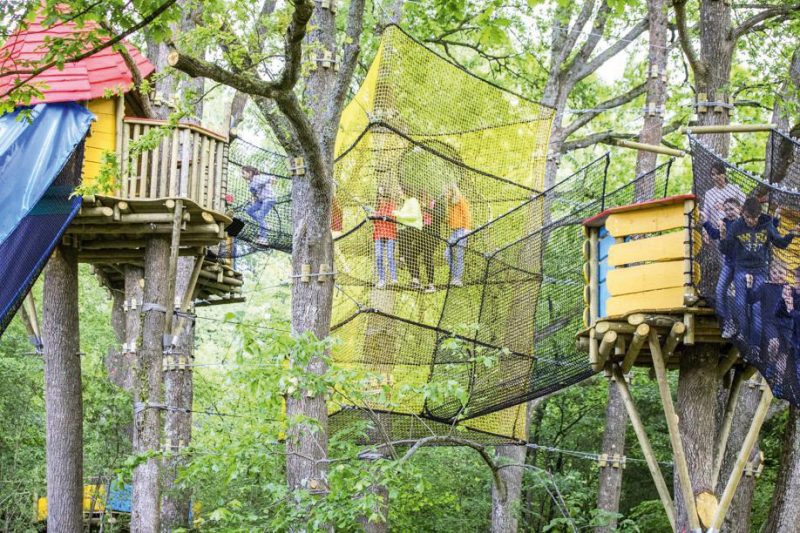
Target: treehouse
pixel 140 176
pixel 640 276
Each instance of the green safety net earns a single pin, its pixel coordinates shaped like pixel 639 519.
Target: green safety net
pixel 437 250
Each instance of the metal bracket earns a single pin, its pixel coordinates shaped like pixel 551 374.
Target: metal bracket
pixel 130 305
pixel 614 460
pixel 297 166
pixel 330 5
pixel 147 307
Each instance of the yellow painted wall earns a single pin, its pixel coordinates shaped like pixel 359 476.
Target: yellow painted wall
pixel 102 136
pixel 90 492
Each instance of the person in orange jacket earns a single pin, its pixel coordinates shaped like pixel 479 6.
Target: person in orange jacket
pixel 384 233
pixel 459 219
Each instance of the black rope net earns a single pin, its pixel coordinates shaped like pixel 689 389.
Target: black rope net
pixel 258 197
pixel 748 257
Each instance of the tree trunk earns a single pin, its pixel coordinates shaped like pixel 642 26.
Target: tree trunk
pixel 178 391
pixel 149 389
pixel 62 392
pixel 505 511
pixel 696 410
pixel 784 515
pixel 610 486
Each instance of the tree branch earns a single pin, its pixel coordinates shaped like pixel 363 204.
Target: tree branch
pixel 355 25
pixel 564 46
pixel 617 101
pixel 111 42
pixel 589 45
pixel 600 59
pixel 698 67
pixel 609 136
pixel 756 21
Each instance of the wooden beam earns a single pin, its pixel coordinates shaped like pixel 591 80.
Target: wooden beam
pixel 658 321
pixel 653 148
pixel 741 460
pixel 729 128
pixel 678 452
pixel 606 345
pixel 639 336
pixel 673 338
pixel 174 249
pixel 620 327
pixel 725 428
pixel 188 297
pixel 644 443
pixel 728 362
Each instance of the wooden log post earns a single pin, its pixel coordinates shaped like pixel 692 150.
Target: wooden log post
pixel 741 460
pixel 639 337
pixel 727 422
pixel 644 443
pixel 681 466
pixel 62 393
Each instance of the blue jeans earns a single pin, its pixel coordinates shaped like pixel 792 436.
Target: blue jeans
pixel 455 258
pixel 385 248
pixel 258 211
pixel 723 284
pixel 750 326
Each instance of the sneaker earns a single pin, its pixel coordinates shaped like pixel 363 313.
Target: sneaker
pixel 728 329
pixel 430 289
pixel 415 283
pixel 456 283
pixel 380 285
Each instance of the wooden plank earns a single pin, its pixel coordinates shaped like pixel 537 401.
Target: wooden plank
pixel 212 153
pixel 102 105
pixel 645 221
pixel 144 171
pixel 193 177
pixel 186 152
pixel 661 299
pixel 648 277
pixel 661 248
pixel 173 188
pixel 216 200
pixel 135 184
pixel 644 443
pixel 678 451
pixel 102 141
pixel 202 173
pixel 126 171
pixel 741 460
pixel 725 429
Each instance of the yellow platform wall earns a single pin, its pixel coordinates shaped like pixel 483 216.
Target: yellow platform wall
pixel 102 137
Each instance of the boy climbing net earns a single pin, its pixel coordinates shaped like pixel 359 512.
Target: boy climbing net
pixel 263 198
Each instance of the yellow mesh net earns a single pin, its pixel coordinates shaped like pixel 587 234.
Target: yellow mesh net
pixel 438 174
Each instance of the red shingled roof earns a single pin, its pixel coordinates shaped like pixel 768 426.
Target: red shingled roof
pixel 84 80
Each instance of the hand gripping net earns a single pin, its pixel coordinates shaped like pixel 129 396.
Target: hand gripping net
pixel 750 273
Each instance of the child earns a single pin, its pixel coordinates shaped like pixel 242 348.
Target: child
pixel 749 242
pixel 410 234
pixel 732 209
pixel 459 220
pixel 432 216
pixel 384 233
pixel 260 186
pixel 715 197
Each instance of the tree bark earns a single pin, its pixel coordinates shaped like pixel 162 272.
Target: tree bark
pixel 62 391
pixel 784 515
pixel 149 389
pixel 610 486
pixel 178 391
pixel 696 410
pixel 505 511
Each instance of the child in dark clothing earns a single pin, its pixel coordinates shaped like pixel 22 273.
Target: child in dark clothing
pixel 732 208
pixel 749 241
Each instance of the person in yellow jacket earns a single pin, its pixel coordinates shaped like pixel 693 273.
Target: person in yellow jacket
pixel 459 219
pixel 410 237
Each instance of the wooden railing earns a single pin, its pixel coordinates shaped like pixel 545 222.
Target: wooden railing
pixel 189 162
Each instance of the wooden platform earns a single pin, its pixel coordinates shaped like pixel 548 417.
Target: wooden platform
pixel 623 339
pixel 111 232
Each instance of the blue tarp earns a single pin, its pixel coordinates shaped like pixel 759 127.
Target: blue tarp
pixel 35 207
pixel 33 150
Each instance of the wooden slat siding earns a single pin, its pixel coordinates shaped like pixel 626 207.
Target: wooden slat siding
pixel 224 190
pixel 186 152
pixel 216 204
pixel 212 167
pixel 648 277
pixel 661 248
pixel 645 221
pixel 125 185
pixel 671 298
pixel 162 187
pixel 174 188
pixel 144 165
pixel 194 175
pixel 202 174
pixel 152 184
pixel 135 183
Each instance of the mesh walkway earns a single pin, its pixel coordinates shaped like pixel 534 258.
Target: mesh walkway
pixel 259 198
pixel 749 260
